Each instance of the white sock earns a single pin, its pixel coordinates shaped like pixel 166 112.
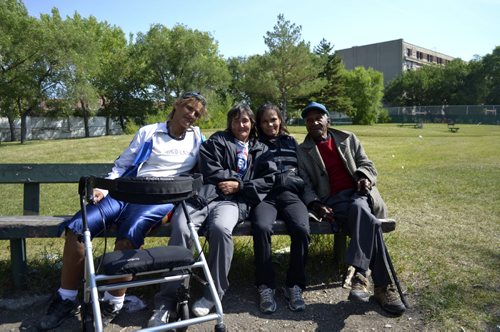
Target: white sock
pixel 117 301
pixel 68 294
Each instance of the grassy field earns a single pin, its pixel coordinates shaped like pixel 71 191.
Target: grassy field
pixel 440 186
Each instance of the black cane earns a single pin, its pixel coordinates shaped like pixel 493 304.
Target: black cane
pixel 393 272
pixel 388 261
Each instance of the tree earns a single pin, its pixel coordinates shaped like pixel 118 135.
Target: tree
pixel 411 88
pixel 290 63
pixel 365 88
pixel 19 48
pixel 33 66
pixel 333 94
pixel 115 80
pixel 457 83
pixel 179 60
pixel 83 65
pixel 475 83
pixel 237 73
pixel 491 69
pixel 258 83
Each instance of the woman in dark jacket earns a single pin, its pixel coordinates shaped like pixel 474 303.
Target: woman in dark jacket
pixel 238 172
pixel 284 202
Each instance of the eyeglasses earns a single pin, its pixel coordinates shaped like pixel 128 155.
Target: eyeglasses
pixel 195 95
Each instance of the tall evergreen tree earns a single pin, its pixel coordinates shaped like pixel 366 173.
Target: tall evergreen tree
pixel 333 94
pixel 290 62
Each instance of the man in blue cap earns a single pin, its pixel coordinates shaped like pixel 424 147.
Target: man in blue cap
pixel 341 188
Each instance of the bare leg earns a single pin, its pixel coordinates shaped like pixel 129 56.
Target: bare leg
pixel 121 245
pixel 73 255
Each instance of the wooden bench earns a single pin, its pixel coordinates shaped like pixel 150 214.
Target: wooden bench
pixel 32 225
pixel 452 128
pixel 416 125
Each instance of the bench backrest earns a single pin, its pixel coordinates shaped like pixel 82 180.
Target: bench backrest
pixel 50 173
pixel 31 175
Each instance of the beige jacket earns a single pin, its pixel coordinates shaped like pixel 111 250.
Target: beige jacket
pixel 313 171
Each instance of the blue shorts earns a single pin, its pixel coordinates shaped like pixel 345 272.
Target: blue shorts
pixel 132 221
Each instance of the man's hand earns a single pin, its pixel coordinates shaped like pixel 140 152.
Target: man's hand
pixel 364 186
pixel 323 212
pixel 229 187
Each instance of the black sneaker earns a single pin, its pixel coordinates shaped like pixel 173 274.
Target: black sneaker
pixel 267 303
pixel 58 311
pixel 108 312
pixel 294 297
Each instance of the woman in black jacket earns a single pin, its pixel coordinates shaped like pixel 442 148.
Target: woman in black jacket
pixel 238 172
pixel 284 202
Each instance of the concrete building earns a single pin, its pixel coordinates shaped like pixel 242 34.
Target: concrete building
pixel 391 57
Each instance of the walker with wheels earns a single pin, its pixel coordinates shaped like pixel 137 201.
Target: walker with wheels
pixel 146 266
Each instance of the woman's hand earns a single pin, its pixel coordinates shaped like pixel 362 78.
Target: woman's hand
pixel 229 187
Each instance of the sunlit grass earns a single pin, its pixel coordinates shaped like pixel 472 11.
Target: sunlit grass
pixel 440 186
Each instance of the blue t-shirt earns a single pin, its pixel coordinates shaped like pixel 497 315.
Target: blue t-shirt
pixel 241 157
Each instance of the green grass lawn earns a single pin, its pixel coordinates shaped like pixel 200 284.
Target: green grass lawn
pixel 442 188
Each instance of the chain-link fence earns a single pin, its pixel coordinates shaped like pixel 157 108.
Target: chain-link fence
pixel 486 114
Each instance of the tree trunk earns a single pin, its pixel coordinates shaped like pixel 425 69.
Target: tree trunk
pixel 85 118
pixel 108 125
pixel 12 128
pixel 24 130
pixel 284 105
pixel 122 122
pixel 23 121
pixel 106 112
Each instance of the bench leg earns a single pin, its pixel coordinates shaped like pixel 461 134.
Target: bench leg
pixel 18 261
pixel 339 249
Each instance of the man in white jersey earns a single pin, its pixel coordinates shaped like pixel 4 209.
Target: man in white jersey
pixel 157 150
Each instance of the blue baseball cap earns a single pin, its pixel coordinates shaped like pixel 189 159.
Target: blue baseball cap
pixel 314 106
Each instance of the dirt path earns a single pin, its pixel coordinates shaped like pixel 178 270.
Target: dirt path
pixel 327 310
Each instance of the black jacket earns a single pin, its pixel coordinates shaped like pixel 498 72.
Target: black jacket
pixel 217 162
pixel 284 150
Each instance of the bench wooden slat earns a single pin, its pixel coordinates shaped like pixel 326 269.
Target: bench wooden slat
pixel 12 227
pixel 50 173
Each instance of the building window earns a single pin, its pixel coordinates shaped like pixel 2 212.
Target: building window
pixel 420 55
pixel 439 60
pixel 430 58
pixel 409 52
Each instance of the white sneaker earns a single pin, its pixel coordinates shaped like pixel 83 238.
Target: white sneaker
pixel 202 307
pixel 159 317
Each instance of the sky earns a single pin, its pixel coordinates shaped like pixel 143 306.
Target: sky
pixel 458 28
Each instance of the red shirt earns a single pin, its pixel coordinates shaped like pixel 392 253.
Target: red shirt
pixel 340 179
